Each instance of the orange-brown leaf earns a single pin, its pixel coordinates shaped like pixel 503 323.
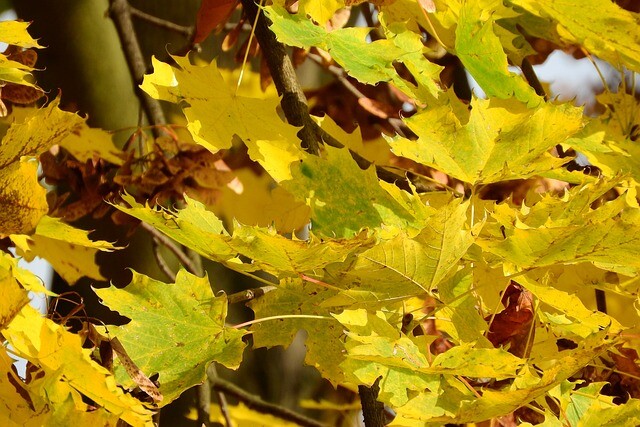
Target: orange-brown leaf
pixel 211 14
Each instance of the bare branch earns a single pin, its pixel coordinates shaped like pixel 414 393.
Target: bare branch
pixel 254 402
pixel 120 13
pixel 187 32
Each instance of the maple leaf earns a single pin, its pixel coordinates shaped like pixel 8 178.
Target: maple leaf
pixel 482 54
pixel 603 28
pixel 293 296
pixel 334 185
pixel 68 249
pixel 170 322
pixel 22 199
pixel 418 262
pixel 216 114
pixel 375 348
pixel 375 63
pixel 59 352
pixel 496 141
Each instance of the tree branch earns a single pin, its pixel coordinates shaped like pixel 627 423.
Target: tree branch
pixel 160 261
pixel 249 294
pixel 294 102
pixel 168 243
pixel 120 13
pixel 254 402
pixel 187 32
pixel 372 410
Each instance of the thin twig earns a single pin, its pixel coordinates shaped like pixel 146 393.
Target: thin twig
pixel 161 262
pixel 168 243
pixel 187 32
pixel 249 294
pixel 255 402
pixel 120 13
pixel 212 372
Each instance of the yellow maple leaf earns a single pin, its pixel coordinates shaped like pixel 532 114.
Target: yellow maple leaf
pixel 58 352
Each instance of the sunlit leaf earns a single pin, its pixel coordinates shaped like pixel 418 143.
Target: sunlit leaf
pixel 55 350
pixel 496 141
pixel 67 249
pixel 176 330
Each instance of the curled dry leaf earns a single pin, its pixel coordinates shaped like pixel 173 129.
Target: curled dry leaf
pixel 20 94
pixel 512 326
pixel 134 372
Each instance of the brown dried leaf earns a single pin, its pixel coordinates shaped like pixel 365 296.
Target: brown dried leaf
pixel 134 372
pixel 512 325
pixel 232 36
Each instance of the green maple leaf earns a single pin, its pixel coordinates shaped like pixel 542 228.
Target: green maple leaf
pixel 343 198
pixel 176 330
pixel 481 52
pixel 375 348
pixel 460 407
pixel 375 60
pixel 611 243
pixel 202 231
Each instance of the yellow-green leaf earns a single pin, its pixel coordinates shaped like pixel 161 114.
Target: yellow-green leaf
pixel 482 54
pixel 496 141
pixel 343 198
pixel 295 297
pixel 176 330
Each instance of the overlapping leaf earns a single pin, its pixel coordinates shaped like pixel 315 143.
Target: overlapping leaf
pixel 497 141
pixel 481 52
pixel 59 352
pixel 603 28
pixel 375 60
pixel 67 249
pixel 22 199
pixel 325 350
pixel 176 330
pixel 418 263
pixel 203 232
pixel 15 33
pixel 375 347
pixel 524 389
pixel 216 114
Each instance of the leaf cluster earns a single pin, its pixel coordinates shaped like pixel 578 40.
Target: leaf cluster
pixel 491 278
